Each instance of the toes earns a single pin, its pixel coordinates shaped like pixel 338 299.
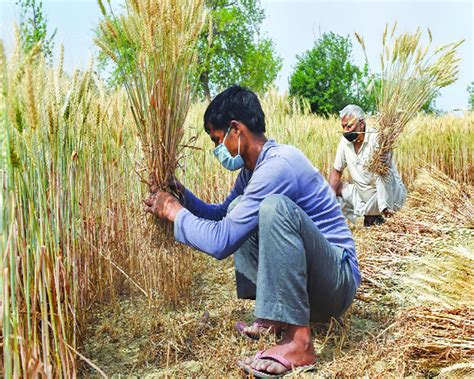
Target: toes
pixel 262 364
pixel 248 361
pixel 248 330
pixel 276 368
pixel 267 366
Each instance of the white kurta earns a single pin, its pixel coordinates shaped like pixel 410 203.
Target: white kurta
pixel 369 194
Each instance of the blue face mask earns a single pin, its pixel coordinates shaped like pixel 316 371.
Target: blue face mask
pixel 228 161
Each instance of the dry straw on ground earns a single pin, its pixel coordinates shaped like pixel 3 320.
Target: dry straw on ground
pixel 411 75
pixel 424 257
pixel 435 337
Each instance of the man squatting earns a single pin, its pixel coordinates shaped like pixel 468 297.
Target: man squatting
pixel 293 251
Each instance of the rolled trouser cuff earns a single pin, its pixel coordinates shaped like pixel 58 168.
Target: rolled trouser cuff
pixel 275 311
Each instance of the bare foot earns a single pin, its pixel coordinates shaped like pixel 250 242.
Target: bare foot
pixel 296 347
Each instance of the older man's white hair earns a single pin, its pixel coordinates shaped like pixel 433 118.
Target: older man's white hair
pixel 352 110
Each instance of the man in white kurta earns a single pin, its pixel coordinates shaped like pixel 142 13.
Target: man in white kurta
pixel 369 195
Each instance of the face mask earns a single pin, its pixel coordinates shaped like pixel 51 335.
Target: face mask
pixel 227 160
pixel 350 136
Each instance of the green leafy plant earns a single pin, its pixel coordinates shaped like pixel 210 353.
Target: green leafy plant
pixel 33 27
pixel 234 50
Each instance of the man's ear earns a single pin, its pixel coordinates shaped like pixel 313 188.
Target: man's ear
pixel 235 125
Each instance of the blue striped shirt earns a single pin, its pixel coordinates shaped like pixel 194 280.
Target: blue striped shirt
pixel 280 169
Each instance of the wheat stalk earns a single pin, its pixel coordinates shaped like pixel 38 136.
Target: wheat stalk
pixel 411 75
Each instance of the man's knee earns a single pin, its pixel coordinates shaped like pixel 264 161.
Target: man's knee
pixel 233 203
pixel 274 204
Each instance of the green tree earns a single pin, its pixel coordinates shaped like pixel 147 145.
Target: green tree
pixel 238 52
pixel 430 105
pixel 327 78
pixel 470 90
pixel 232 50
pixel 33 27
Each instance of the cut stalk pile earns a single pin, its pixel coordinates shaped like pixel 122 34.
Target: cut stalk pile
pixel 427 254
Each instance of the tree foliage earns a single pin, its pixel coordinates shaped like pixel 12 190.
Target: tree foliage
pixel 33 27
pixel 327 78
pixel 237 52
pixel 231 49
pixel 470 90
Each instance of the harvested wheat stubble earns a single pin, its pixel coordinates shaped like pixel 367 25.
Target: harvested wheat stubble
pixel 436 336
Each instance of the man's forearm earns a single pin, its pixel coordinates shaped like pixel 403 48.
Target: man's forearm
pixel 335 181
pixel 202 209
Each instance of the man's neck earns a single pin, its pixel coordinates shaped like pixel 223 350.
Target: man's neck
pixel 253 151
pixel 359 140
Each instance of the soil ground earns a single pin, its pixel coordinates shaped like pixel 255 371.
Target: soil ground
pixel 128 337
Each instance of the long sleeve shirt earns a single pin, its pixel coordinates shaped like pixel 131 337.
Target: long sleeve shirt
pixel 280 169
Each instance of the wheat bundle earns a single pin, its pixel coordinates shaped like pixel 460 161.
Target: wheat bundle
pixel 411 75
pixel 155 48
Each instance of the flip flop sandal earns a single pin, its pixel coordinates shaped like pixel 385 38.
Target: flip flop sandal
pixel 291 369
pixel 261 327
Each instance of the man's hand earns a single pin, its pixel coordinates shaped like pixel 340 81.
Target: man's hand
pixel 175 186
pixel 386 158
pixel 163 205
pixel 335 181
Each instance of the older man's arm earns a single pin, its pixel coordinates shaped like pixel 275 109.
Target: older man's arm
pixel 335 181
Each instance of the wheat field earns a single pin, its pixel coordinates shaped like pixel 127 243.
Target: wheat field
pixel 81 262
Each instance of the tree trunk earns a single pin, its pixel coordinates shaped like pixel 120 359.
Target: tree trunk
pixel 204 79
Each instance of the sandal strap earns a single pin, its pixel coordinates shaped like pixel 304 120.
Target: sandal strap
pixel 260 324
pixel 259 353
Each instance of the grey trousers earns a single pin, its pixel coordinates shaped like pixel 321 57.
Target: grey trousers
pixel 290 269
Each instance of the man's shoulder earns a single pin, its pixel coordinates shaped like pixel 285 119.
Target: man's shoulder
pixel 287 153
pixel 372 133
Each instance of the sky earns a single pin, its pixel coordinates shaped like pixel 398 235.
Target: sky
pixel 294 25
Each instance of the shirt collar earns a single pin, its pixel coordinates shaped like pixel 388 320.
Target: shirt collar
pixel 270 143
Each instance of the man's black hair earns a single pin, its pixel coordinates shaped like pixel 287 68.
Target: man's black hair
pixel 235 103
